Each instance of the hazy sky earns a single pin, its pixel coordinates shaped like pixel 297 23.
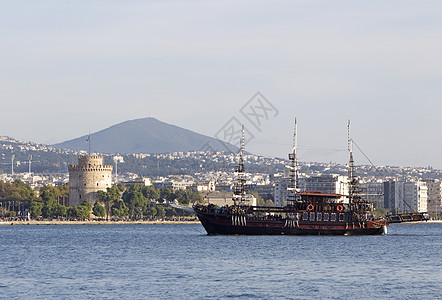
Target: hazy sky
pixel 70 67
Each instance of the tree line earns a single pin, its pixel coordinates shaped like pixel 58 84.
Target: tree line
pixel 144 202
pixel 17 199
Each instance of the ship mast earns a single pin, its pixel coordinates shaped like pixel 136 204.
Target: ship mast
pixel 239 191
pixel 351 179
pixel 293 186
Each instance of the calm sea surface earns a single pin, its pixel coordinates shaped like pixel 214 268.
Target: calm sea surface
pixel 182 262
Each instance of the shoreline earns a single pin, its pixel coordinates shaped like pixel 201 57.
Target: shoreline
pixel 33 222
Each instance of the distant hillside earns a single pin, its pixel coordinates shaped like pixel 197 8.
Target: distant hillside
pixel 147 135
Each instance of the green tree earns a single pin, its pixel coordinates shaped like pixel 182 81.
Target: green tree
pixel 135 201
pixel 19 193
pixel 167 194
pixel 151 193
pixel 181 197
pixel 99 210
pixel 152 212
pixel 35 208
pixel 192 196
pixel 170 212
pixel 120 209
pixel 59 211
pixel 48 197
pixel 74 212
pixel 109 197
pixel 85 210
pixel 46 211
pixel 160 212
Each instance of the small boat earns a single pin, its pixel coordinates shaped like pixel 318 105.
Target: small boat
pixel 306 213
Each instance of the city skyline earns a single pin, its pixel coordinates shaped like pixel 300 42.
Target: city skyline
pixel 73 68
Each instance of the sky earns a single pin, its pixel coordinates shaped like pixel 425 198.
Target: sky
pixel 68 68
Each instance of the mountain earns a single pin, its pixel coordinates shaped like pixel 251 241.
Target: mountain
pixel 146 135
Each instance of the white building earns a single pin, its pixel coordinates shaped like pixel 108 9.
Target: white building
pixel 332 184
pixel 280 192
pixel 416 194
pixel 406 196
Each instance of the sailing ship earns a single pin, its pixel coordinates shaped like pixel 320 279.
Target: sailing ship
pixel 305 213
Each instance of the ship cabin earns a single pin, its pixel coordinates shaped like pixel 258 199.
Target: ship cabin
pixel 319 201
pixel 324 207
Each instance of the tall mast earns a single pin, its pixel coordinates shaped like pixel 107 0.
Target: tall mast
pixel 293 186
pixel 239 188
pixel 89 142
pixel 350 166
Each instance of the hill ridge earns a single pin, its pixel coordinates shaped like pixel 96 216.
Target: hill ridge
pixel 145 135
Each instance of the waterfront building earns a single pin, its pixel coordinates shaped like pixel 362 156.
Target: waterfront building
pixel 145 181
pixel 332 184
pixel 265 191
pixel 224 187
pixel 87 178
pixel 434 204
pixel 280 192
pixel 204 186
pixel 373 192
pixel 403 196
pixel 394 195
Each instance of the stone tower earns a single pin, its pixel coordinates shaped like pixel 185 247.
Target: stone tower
pixel 87 178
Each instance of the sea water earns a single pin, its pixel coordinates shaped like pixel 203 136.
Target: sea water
pixel 182 262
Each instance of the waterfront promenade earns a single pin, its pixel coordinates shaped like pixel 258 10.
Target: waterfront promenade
pixel 57 222
pixel 92 222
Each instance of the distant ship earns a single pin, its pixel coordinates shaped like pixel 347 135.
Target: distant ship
pixel 306 213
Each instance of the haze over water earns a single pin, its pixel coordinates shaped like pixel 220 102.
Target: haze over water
pixel 181 261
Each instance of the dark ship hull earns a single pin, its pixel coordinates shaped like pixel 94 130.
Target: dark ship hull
pixel 215 223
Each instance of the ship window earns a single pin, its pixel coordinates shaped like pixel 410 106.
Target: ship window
pixel 341 217
pixel 333 217
pixel 326 217
pixel 305 216
pixel 312 216
pixel 319 216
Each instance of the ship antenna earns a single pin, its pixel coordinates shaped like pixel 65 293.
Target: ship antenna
pixel 350 166
pixel 293 168
pixel 88 140
pixel 239 188
pixel 241 148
